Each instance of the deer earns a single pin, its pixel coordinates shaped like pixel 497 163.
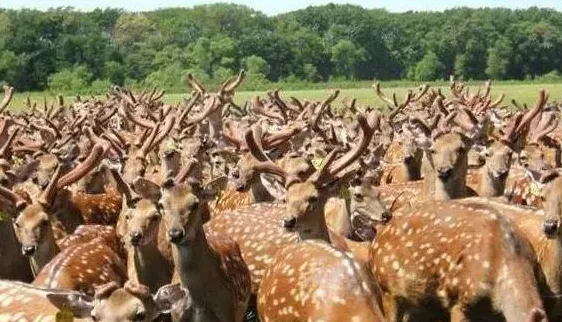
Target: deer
pixel 149 255
pixel 313 281
pixel 256 227
pixel 457 260
pixel 446 160
pixel 541 227
pixel 209 264
pixel 132 302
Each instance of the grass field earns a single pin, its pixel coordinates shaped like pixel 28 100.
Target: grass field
pixel 525 93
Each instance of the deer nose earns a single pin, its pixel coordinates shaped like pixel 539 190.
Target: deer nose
pixel 28 250
pixel 135 238
pixel 289 222
pixel 386 216
pixel 550 227
pixel 176 235
pixel 444 173
pixel 502 173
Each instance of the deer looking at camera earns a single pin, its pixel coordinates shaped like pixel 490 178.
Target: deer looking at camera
pixel 257 227
pixel 209 264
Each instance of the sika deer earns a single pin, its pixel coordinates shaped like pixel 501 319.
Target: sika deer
pixel 209 264
pixel 455 260
pixel 131 303
pixel 257 227
pixel 312 281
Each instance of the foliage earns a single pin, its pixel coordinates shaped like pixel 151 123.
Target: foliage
pixel 41 49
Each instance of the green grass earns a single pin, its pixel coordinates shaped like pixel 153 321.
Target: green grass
pixel 522 92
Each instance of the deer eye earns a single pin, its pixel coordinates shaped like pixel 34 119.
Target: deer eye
pixel 358 196
pixel 432 151
pixel 312 199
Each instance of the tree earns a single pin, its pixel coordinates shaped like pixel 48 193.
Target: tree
pixel 429 68
pixel 75 80
pixel 346 56
pixel 132 28
pixel 499 58
pixel 256 65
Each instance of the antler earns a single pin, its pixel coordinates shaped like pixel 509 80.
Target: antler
pixel 8 94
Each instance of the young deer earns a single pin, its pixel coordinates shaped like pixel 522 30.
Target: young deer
pixel 131 303
pixel 312 281
pixel 455 260
pixel 209 264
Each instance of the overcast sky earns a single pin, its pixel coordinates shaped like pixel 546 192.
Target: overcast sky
pixel 274 7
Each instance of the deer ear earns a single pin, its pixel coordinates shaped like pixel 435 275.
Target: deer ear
pixel 147 189
pixel 273 187
pixel 172 298
pixel 79 304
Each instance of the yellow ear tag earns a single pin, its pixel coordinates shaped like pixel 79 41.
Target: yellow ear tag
pixel 535 189
pixel 317 163
pixel 64 315
pixel 4 217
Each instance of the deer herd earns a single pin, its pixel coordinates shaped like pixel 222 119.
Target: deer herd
pixel 124 208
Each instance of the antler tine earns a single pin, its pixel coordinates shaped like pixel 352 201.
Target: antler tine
pixel 166 130
pixel 509 136
pixel 8 143
pixel 516 104
pixel 399 109
pixel 380 94
pixel 136 119
pixel 193 100
pixel 229 133
pixel 265 165
pixel 231 87
pixel 209 107
pixel 498 101
pixel 422 91
pixel 17 201
pixel 487 88
pixel 131 197
pixel 544 128
pixel 252 138
pixel 94 158
pixel 259 109
pixel 145 148
pixel 323 106
pixel 196 84
pixel 8 94
pixel 472 120
pixel 364 140
pixel 530 115
pixel 47 196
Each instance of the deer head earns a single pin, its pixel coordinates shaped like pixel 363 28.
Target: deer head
pixel 132 302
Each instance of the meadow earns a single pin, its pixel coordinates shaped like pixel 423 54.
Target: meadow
pixel 520 91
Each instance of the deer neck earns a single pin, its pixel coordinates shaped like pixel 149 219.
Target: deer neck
pixel 44 253
pixel 429 175
pixel 490 186
pixel 316 226
pixel 215 123
pixel 452 189
pixel 147 265
pixel 200 273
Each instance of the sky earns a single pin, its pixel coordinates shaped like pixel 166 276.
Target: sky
pixel 275 7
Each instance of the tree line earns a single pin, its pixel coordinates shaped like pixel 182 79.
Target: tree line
pixel 67 50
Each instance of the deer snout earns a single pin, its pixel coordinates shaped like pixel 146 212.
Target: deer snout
pixel 289 222
pixel 176 235
pixel 551 226
pixel 386 216
pixel 135 236
pixel 444 173
pixel 28 250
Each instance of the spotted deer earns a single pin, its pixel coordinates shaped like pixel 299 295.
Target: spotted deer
pixel 446 160
pixel 262 229
pixel 456 260
pixel 209 264
pixel 312 281
pixel 149 255
pixel 131 303
pixel 542 229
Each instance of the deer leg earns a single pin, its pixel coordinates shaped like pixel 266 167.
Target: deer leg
pixel 390 308
pixel 458 314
